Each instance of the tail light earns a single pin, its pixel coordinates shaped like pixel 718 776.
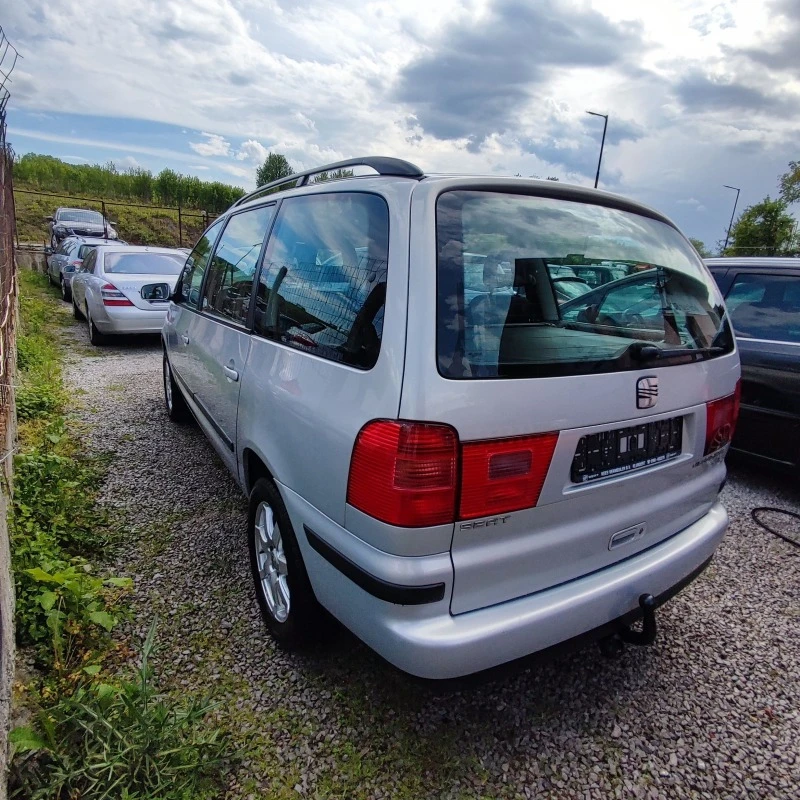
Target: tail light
pixel 721 416
pixel 503 475
pixel 407 473
pixel 113 296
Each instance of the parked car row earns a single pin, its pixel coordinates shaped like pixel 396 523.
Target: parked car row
pixel 510 450
pixel 117 288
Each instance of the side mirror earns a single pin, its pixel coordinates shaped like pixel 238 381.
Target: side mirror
pixel 50 219
pixel 156 292
pixel 48 251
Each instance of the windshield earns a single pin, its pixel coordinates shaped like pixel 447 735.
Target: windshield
pixel 528 310
pixel 75 215
pixel 144 263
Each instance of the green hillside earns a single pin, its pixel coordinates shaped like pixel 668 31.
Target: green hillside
pixel 120 190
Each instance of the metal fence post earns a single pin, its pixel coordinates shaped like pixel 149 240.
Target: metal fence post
pixel 180 227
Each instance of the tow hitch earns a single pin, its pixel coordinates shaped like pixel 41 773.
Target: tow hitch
pixel 613 645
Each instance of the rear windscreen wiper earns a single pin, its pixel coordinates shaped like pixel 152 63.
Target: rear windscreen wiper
pixel 649 352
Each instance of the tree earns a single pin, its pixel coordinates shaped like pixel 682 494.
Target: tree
pixel 763 229
pixel 275 166
pixel 700 247
pixel 790 183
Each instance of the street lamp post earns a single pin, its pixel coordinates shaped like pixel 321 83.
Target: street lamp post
pixel 730 224
pixel 602 143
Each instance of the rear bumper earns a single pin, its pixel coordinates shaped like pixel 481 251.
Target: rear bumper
pixel 424 639
pixel 129 320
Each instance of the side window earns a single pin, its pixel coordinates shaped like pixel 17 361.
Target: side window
pixel 322 287
pixel 61 250
pixel 763 306
pixel 97 263
pixel 88 262
pixel 187 290
pixel 232 271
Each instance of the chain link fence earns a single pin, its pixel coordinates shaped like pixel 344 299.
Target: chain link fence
pixel 134 223
pixel 8 316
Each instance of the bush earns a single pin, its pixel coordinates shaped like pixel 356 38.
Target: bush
pixel 38 400
pixel 125 741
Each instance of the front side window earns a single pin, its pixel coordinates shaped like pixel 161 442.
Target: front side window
pixel 85 250
pixel 187 290
pixel 765 307
pixel 653 295
pixel 233 267
pixel 323 284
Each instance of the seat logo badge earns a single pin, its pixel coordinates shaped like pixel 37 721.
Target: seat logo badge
pixel 647 391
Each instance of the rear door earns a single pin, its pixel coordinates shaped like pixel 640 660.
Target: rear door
pixel 219 335
pixel 765 313
pixel 583 440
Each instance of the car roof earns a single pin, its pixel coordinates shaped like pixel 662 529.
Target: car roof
pixel 98 240
pixel 138 248
pixel 72 208
pixel 394 171
pixel 754 262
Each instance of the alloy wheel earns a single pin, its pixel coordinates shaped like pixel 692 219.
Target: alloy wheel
pixel 167 385
pixel 271 560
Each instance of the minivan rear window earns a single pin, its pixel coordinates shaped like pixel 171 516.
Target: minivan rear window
pixel 501 313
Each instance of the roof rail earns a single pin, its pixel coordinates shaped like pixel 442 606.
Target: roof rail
pixel 381 164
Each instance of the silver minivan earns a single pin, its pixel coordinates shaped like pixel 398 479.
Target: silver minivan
pixel 462 466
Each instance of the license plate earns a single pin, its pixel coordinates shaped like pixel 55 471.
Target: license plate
pixel 601 455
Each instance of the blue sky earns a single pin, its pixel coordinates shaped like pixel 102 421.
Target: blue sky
pixel 700 93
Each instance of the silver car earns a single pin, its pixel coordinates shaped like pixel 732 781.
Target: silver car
pixel 457 466
pixel 68 257
pixel 125 289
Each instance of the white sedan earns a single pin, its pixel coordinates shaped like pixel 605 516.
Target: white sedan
pixel 125 289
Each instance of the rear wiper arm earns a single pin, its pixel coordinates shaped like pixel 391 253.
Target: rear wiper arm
pixel 649 352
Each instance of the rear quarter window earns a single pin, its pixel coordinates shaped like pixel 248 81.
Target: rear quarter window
pixel 322 286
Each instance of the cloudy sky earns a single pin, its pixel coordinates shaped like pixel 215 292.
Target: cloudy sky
pixel 700 93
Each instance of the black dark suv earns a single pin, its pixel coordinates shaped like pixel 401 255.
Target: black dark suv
pixel 763 299
pixel 78 222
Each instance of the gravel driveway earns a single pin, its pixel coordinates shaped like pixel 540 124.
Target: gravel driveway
pixel 712 710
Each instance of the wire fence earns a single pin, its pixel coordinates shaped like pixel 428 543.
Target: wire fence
pixel 135 223
pixel 8 291
pixel 8 316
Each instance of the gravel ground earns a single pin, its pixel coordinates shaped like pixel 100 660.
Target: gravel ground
pixel 712 710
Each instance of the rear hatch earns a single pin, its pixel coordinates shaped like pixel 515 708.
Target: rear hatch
pixel 590 429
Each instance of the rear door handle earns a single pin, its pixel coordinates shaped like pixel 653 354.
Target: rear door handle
pixel 230 373
pixel 185 338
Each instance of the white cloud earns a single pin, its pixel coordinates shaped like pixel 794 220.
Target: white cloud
pixel 129 162
pixel 315 80
pixel 251 150
pixel 214 145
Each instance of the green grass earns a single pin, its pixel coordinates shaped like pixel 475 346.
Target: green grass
pixel 96 731
pixel 153 226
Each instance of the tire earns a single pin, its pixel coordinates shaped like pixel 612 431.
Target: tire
pixel 66 294
pixel 76 312
pixel 95 337
pixel 302 622
pixel 177 410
